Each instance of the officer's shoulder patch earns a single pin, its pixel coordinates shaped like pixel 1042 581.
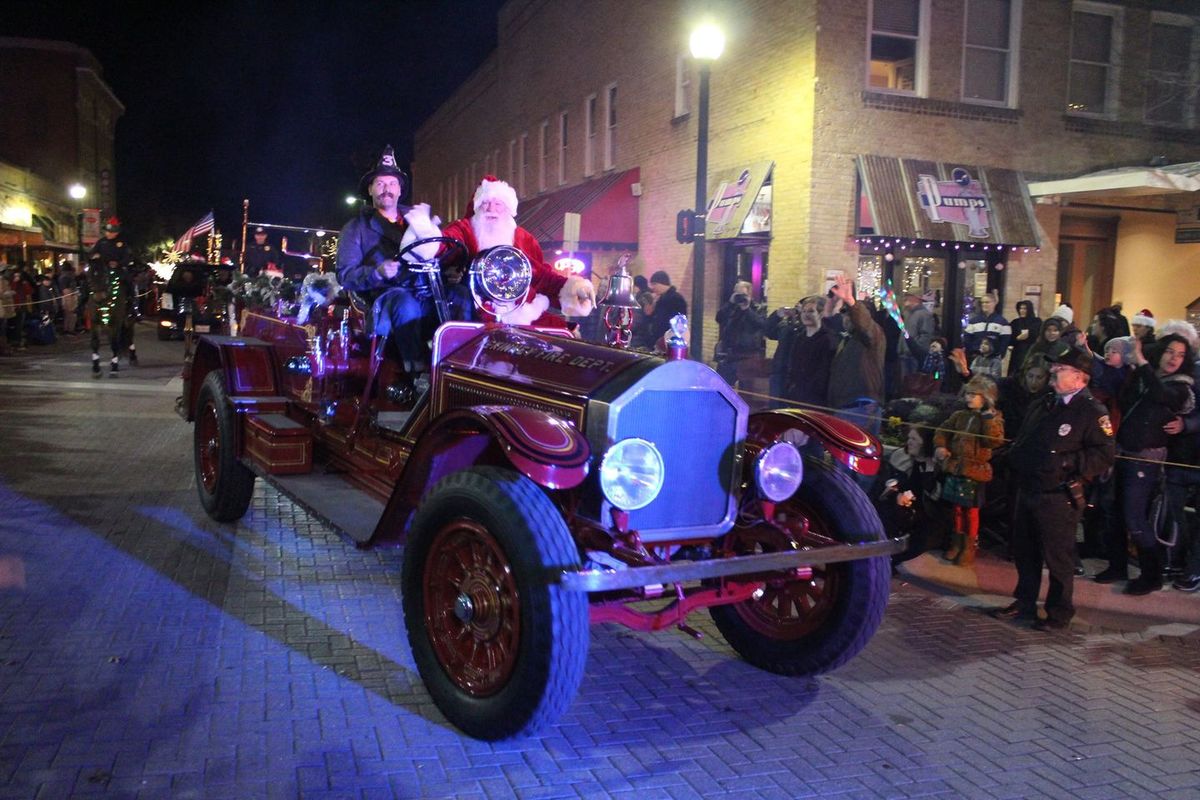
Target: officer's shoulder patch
pixel 1106 425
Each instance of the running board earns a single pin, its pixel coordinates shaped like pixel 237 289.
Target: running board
pixel 595 580
pixel 333 501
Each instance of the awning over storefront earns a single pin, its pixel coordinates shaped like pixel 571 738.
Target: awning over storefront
pixel 15 236
pixel 731 196
pixel 908 198
pixel 1124 182
pixel 607 206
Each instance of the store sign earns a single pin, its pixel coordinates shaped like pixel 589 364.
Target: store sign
pixel 1187 226
pixel 732 194
pixel 960 201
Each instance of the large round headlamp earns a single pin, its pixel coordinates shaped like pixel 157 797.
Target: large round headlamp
pixel 631 474
pixel 778 471
pixel 500 276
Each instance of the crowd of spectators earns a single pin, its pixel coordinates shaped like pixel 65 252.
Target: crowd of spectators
pixel 36 307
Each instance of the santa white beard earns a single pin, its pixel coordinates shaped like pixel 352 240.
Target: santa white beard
pixel 491 233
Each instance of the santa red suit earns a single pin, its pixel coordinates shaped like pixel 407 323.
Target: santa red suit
pixel 492 222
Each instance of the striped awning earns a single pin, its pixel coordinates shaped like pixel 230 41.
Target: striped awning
pixel 607 206
pixel 913 199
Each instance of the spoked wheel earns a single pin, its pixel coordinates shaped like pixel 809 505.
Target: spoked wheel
pixel 500 647
pixel 806 627
pixel 224 484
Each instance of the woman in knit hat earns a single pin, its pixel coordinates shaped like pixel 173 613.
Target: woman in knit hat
pixel 963 449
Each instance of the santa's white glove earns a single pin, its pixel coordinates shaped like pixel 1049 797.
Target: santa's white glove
pixel 421 226
pixel 578 297
pixel 526 314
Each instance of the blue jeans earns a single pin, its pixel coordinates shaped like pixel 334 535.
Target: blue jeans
pixel 1182 483
pixel 1137 482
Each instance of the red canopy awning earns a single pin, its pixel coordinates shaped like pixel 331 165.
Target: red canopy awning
pixel 608 209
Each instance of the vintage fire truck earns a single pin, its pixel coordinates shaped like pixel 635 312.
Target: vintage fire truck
pixel 542 483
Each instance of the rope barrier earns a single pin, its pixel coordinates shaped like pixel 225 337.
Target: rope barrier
pixel 896 421
pixel 73 292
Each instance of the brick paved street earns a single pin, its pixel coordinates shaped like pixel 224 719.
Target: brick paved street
pixel 146 651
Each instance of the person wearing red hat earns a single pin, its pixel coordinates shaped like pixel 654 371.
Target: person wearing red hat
pixel 367 263
pixel 1143 324
pixel 111 304
pixel 492 222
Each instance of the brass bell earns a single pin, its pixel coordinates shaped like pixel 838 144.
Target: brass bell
pixel 620 288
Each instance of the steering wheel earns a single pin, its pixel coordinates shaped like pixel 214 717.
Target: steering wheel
pixel 411 246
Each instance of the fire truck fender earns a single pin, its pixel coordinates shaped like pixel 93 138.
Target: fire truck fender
pixel 540 446
pixel 848 443
pixel 251 374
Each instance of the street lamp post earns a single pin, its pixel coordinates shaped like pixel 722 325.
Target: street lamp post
pixel 78 191
pixel 706 44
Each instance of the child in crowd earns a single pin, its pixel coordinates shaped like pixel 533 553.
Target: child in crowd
pixel 963 451
pixel 987 361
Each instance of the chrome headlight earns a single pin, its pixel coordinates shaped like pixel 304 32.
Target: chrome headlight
pixel 500 275
pixel 778 471
pixel 631 474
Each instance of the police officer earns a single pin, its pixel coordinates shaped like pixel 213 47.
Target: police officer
pixel 112 300
pixel 1065 440
pixel 260 254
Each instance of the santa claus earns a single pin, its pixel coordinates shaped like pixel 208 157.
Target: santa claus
pixel 492 222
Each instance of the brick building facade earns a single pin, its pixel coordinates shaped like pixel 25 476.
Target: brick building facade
pixel 1052 90
pixel 59 126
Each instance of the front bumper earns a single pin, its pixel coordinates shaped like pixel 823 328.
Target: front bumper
pixel 605 580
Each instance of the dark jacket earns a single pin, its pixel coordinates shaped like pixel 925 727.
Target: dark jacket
pixel 742 330
pixel 667 305
pixel 362 247
pixel 1020 347
pixel 857 368
pixel 993 325
pixel 1060 442
pixel 807 379
pixel 1147 403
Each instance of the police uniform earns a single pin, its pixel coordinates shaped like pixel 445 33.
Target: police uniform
pixel 258 256
pixel 1060 443
pixel 112 304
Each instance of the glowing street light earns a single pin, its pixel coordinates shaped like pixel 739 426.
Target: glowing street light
pixel 351 199
pixel 707 42
pixel 78 191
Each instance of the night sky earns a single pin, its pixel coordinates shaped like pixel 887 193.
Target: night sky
pixel 287 104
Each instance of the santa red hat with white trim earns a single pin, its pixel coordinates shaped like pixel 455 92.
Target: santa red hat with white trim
pixel 1143 317
pixel 492 188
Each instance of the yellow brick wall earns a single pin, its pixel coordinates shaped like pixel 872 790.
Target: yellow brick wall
pixel 789 89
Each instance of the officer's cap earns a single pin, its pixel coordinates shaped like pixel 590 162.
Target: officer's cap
pixel 1076 357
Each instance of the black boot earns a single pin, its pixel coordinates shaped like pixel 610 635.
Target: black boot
pixel 96 366
pixel 132 357
pixel 1150 560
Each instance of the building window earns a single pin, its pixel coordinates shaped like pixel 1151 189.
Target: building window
pixel 990 37
pixel 589 139
pixel 898 46
pixel 523 173
pixel 1095 45
pixel 610 126
pixel 562 148
pixel 543 153
pixel 1174 73
pixel 683 85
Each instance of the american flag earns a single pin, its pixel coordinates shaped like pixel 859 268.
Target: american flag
pixel 184 243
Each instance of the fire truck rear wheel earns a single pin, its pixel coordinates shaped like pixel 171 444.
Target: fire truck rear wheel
pixel 807 627
pixel 223 482
pixel 500 646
